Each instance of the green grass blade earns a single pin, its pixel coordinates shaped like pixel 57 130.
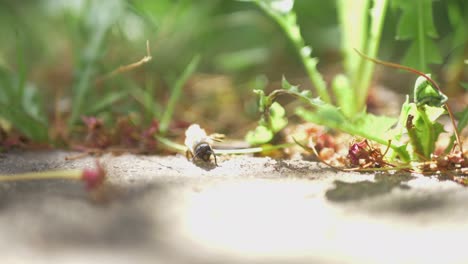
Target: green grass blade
pixel 22 67
pixel 146 98
pixel 83 85
pixel 176 93
pixel 29 126
pixel 99 24
pixel 107 101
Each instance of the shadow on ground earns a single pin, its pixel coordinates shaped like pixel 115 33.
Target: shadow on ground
pixel 63 214
pixel 382 184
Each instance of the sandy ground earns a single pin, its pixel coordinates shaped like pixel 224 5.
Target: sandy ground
pixel 247 210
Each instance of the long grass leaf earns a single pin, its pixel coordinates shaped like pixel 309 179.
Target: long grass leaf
pixel 176 92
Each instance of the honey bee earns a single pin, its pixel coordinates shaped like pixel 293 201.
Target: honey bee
pixel 199 144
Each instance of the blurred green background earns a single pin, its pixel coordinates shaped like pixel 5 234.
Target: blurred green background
pixel 61 47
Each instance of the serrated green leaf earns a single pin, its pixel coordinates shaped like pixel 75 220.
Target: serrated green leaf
pixel 365 125
pixel 405 29
pixel 287 22
pixel 278 120
pixel 327 115
pixel 288 86
pixel 457 14
pixel 293 90
pixel 262 99
pixel 396 134
pixel 408 25
pixel 425 94
pixel 433 113
pixel 416 24
pixel 427 134
pixel 430 52
pixel 306 93
pixel 424 130
pixel 273 120
pixel 259 92
pixel 377 125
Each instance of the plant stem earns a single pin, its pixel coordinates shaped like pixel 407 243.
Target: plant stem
pixel 353 25
pixel 128 67
pixel 421 41
pixel 172 145
pixel 364 74
pixel 291 29
pixel 43 175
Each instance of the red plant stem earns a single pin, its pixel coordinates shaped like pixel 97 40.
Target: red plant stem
pixel 429 79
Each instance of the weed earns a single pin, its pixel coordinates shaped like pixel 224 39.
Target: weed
pixel 418 119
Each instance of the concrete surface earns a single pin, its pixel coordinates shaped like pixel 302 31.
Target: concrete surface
pixel 247 210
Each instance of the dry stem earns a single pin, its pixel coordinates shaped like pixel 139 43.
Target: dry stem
pixel 128 67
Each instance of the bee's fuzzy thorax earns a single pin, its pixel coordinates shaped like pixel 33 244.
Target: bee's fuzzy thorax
pixel 195 135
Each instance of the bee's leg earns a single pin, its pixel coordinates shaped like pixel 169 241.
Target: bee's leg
pixel 189 155
pixel 216 162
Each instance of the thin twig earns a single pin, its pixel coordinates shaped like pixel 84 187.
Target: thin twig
pixel 128 67
pixel 388 148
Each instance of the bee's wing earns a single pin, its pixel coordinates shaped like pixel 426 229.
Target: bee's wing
pixel 217 137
